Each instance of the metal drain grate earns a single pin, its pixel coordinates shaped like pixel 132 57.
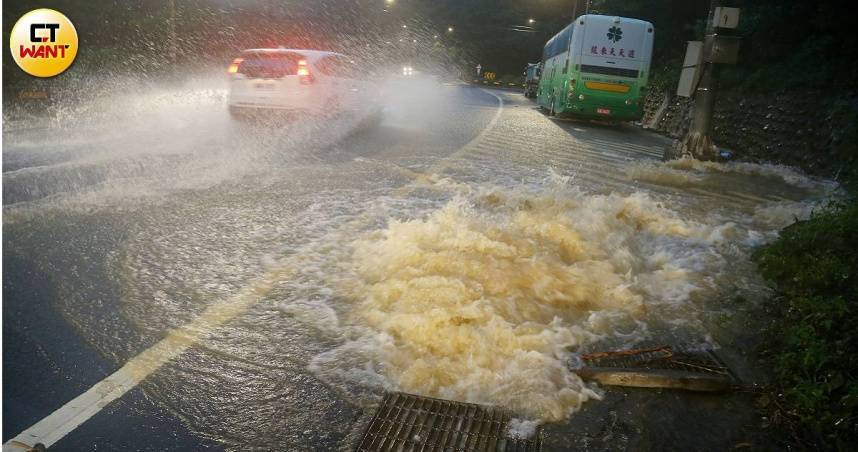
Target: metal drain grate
pixel 406 422
pixel 660 367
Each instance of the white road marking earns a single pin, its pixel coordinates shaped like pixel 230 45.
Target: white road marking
pixel 74 413
pixel 442 164
pixel 77 411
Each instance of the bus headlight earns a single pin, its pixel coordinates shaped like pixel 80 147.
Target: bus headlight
pixel 628 101
pixel 580 97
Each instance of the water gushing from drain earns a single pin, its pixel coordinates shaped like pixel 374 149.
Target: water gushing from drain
pixel 482 299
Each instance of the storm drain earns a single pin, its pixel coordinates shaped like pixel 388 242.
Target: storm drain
pixel 658 367
pixel 406 422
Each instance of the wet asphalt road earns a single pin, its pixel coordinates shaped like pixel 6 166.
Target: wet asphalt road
pixel 97 226
pixel 63 223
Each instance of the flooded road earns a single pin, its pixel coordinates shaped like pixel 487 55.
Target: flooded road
pixel 465 247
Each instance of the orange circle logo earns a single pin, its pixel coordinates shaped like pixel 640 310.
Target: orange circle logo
pixel 43 42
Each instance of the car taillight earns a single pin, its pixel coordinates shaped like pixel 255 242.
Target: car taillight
pixel 304 74
pixel 233 67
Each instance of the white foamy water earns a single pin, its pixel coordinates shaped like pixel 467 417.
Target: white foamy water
pixel 690 172
pixel 484 298
pixel 521 428
pixel 148 142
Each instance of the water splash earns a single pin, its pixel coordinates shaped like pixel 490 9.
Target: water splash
pixel 482 299
pixel 689 172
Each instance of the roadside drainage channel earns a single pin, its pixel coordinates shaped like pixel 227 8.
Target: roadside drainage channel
pixel 411 422
pixel 416 423
pixel 657 367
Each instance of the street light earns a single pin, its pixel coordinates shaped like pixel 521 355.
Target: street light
pixel 530 21
pixel 404 26
pixel 449 29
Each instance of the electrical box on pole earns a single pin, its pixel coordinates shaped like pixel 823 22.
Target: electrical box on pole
pixel 690 69
pixel 726 17
pixel 700 80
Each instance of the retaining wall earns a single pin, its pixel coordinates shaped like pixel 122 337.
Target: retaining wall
pixel 791 128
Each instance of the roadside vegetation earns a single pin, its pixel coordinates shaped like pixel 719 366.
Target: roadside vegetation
pixel 812 341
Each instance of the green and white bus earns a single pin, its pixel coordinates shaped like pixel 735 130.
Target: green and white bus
pixel 598 66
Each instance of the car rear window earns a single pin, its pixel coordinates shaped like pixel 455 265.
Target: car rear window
pixel 269 65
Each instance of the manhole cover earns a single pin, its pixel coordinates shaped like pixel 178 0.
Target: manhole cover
pixel 412 423
pixel 658 367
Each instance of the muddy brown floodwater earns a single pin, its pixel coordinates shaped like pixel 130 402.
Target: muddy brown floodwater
pixel 460 250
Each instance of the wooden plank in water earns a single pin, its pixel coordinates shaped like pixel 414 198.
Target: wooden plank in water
pixel 658 367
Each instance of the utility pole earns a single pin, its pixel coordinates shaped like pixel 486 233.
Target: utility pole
pixel 576 7
pixel 697 143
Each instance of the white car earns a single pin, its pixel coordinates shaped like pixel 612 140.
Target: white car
pixel 314 82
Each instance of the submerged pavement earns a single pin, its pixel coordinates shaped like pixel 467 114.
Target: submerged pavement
pixel 115 241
